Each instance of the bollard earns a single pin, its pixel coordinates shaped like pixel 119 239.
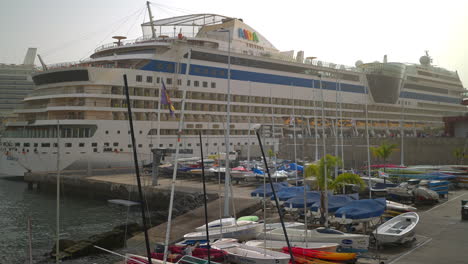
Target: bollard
pixel 158 154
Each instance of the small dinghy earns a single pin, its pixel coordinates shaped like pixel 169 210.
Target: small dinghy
pixel 241 253
pixel 278 245
pixel 399 229
pixel 241 232
pixel 218 223
pixel 348 242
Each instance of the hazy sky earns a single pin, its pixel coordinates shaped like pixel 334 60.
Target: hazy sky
pixel 337 31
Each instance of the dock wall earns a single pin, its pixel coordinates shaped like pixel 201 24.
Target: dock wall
pixel 417 151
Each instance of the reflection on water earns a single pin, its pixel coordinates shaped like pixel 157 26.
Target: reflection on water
pixel 80 218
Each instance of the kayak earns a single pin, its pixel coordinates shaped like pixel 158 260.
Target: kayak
pixel 310 253
pixel 252 218
pixel 301 260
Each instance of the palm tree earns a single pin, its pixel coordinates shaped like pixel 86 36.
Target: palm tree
pixel 383 151
pixel 318 170
pixel 346 178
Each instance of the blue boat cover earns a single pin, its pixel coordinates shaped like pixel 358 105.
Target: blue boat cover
pixel 298 200
pixel 291 167
pixel 336 201
pixel 257 171
pixel 290 192
pixel 260 191
pixel 362 209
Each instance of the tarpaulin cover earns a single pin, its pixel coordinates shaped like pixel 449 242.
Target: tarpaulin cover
pixel 260 191
pixel 290 192
pixel 362 209
pixel 257 171
pixel 298 201
pixel 336 201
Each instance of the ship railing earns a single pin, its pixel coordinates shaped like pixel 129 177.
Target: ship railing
pixel 140 40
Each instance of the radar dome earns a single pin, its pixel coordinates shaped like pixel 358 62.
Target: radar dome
pixel 358 63
pixel 425 60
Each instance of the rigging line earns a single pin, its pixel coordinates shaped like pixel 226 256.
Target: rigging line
pixel 110 33
pixel 142 11
pixel 74 41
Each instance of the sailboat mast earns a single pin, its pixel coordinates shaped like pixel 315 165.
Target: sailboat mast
pixel 294 131
pixel 204 198
pixel 368 144
pixel 227 180
pixel 174 172
pixel 248 138
pixel 137 168
pixel 324 157
pixel 341 125
pixel 153 32
pixel 273 126
pixel 57 242
pixel 402 118
pixel 315 122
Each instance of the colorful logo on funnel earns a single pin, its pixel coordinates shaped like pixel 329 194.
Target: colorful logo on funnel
pixel 248 35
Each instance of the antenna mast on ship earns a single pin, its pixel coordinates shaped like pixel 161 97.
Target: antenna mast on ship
pixel 153 33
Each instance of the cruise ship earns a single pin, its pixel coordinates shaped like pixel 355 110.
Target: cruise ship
pixel 193 56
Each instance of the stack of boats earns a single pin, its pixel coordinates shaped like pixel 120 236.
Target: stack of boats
pixel 246 171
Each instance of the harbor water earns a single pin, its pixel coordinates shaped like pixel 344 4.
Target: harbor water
pixel 79 219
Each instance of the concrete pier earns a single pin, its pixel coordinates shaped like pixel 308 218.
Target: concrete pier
pixel 188 208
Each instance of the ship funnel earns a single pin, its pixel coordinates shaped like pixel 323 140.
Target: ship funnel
pixel 30 56
pixel 385 58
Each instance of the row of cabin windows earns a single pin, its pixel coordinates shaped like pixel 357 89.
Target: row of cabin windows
pixel 116 144
pixel 149 79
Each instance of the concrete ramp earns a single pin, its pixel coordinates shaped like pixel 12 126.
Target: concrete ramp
pixel 188 222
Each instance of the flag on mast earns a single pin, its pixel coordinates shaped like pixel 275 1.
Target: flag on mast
pixel 166 100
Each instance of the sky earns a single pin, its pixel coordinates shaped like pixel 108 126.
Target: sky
pixel 337 31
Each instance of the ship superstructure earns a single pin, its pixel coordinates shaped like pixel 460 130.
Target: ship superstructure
pixel 86 103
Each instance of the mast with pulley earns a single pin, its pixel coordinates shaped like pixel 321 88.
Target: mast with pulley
pixel 153 32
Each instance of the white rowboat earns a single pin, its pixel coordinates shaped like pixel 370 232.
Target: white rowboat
pixel 399 229
pixel 242 253
pixel 278 245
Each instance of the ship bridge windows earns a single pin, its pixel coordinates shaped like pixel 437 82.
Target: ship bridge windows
pixel 61 76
